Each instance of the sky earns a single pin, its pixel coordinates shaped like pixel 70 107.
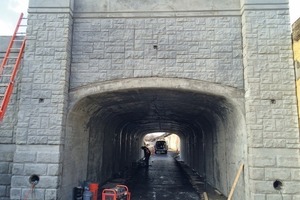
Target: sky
pixel 10 11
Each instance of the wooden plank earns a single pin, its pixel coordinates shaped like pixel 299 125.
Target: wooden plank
pixel 235 181
pixel 205 196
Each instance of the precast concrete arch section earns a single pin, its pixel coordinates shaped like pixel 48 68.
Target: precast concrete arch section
pixel 107 122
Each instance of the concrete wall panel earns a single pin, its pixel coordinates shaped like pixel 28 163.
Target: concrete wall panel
pixel 207 49
pixel 155 5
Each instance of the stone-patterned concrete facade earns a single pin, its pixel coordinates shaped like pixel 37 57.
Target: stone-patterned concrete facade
pixel 44 88
pixel 271 114
pixel 207 48
pixel 250 51
pixel 7 136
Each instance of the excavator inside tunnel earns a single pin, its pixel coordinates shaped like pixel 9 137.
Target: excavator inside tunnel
pixel 105 131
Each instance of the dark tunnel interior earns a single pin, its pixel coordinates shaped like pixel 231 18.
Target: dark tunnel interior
pixel 105 132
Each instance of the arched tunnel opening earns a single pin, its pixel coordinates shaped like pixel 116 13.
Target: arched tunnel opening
pixel 106 130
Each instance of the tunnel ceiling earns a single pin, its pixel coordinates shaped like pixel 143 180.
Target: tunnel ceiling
pixel 150 110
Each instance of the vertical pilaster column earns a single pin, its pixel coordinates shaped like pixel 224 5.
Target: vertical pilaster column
pixel 43 100
pixel 270 100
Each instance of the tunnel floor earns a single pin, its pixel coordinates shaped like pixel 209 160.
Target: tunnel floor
pixel 163 179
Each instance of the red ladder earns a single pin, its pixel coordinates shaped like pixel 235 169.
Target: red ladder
pixel 10 64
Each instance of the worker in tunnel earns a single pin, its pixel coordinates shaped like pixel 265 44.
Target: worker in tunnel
pixel 147 154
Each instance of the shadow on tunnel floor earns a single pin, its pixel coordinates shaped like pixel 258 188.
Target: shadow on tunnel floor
pixel 198 183
pixel 166 178
pixel 162 180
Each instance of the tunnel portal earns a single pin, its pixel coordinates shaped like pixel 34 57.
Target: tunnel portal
pixel 106 129
pixel 99 75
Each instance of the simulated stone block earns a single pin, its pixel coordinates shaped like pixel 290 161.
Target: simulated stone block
pixel 50 194
pixel 296 197
pixel 288 161
pixel 262 161
pixel 274 174
pixel 15 193
pixel 4 167
pixel 278 197
pixel 263 187
pixel 2 191
pixel 5 179
pixel 40 169
pixel 291 187
pixel 259 196
pixel 295 174
pixel 53 169
pixel 20 181
pixel 48 157
pixel 48 182
pixel 25 157
pixel 257 173
pixel 38 193
pixel 6 156
pixel 18 169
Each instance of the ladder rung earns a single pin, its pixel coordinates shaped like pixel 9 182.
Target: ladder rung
pixel 23 25
pixel 24 18
pixel 21 38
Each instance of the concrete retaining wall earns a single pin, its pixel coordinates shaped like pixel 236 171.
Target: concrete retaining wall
pixel 98 76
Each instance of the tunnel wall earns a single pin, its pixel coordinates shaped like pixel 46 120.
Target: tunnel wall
pixel 218 150
pixel 75 153
pixel 122 144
